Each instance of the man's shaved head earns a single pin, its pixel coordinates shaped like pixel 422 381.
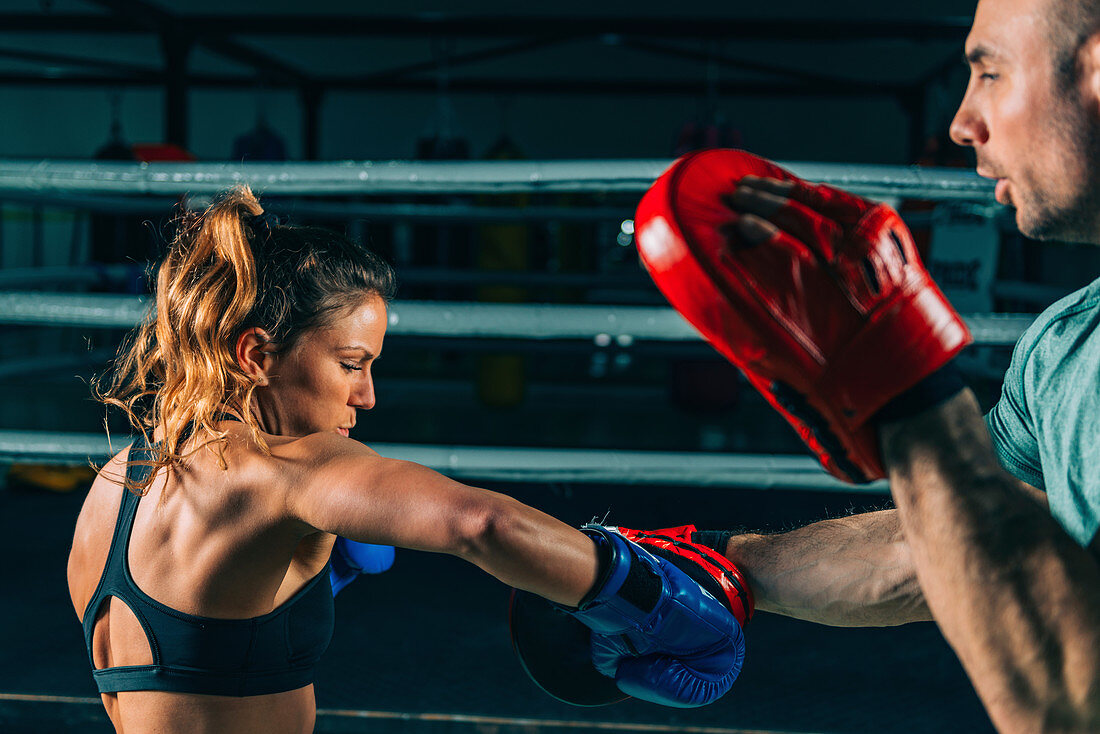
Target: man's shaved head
pixel 1031 112
pixel 1069 25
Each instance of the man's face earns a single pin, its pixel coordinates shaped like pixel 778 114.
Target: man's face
pixel 1032 132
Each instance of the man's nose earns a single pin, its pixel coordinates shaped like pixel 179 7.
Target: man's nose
pixel 968 127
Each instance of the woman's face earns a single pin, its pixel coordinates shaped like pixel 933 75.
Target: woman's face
pixel 319 384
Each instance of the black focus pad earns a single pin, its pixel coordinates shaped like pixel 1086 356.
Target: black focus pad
pixel 555 650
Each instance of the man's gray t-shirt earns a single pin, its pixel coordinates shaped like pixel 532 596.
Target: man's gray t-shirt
pixel 1046 426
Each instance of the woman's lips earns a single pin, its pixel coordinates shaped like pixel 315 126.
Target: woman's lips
pixel 343 432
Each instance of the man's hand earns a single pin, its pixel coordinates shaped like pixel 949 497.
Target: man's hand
pixel 817 295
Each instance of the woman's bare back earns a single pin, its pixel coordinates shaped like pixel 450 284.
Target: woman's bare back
pixel 206 542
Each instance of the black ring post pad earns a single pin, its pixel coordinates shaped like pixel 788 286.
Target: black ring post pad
pixel 555 649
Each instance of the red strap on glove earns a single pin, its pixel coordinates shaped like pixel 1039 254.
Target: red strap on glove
pixel 706 566
pixel 829 319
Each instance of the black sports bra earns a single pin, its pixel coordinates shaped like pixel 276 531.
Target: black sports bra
pixel 271 653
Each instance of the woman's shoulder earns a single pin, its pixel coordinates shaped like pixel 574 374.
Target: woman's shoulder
pixel 301 472
pixel 324 444
pixel 288 461
pixel 95 528
pixel 107 487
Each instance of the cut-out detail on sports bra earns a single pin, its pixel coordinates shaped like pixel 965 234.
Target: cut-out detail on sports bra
pixel 272 653
pixel 115 621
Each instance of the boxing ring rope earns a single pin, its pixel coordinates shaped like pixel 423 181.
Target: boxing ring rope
pixel 70 275
pixel 22 366
pixel 603 325
pixel 100 275
pixel 141 186
pixel 505 464
pixel 392 211
pixel 51 178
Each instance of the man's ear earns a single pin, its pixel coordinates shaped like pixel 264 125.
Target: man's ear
pixel 1088 59
pixel 255 354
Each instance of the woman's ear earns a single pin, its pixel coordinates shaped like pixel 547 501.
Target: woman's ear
pixel 255 354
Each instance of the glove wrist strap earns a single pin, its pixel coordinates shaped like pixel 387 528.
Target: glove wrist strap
pixel 624 577
pixel 938 387
pixel 603 570
pixel 716 540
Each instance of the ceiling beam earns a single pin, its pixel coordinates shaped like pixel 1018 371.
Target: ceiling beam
pixel 944 28
pixel 719 59
pixel 209 36
pixel 455 60
pixel 478 85
pixel 97 23
pixel 76 62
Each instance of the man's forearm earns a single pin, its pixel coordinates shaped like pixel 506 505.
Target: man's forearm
pixel 852 571
pixel 1016 597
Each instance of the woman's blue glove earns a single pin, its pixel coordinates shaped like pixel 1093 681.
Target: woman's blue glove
pixel 350 558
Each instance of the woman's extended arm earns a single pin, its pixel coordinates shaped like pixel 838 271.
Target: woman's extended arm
pixel 346 488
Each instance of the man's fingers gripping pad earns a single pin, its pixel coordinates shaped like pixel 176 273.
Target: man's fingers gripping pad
pixel 830 321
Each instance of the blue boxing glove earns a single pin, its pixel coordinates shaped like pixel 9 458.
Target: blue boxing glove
pixel 656 631
pixel 350 558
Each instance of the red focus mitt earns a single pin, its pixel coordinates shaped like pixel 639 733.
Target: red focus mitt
pixel 830 319
pixel 555 649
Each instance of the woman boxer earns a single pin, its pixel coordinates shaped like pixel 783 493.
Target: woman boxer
pixel 199 563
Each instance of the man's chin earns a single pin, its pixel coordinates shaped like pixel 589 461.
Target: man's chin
pixel 1041 231
pixel 1052 229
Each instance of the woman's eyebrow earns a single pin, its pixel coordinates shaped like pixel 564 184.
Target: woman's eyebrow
pixel 354 348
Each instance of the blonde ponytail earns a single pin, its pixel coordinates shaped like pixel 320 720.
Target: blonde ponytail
pixel 179 373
